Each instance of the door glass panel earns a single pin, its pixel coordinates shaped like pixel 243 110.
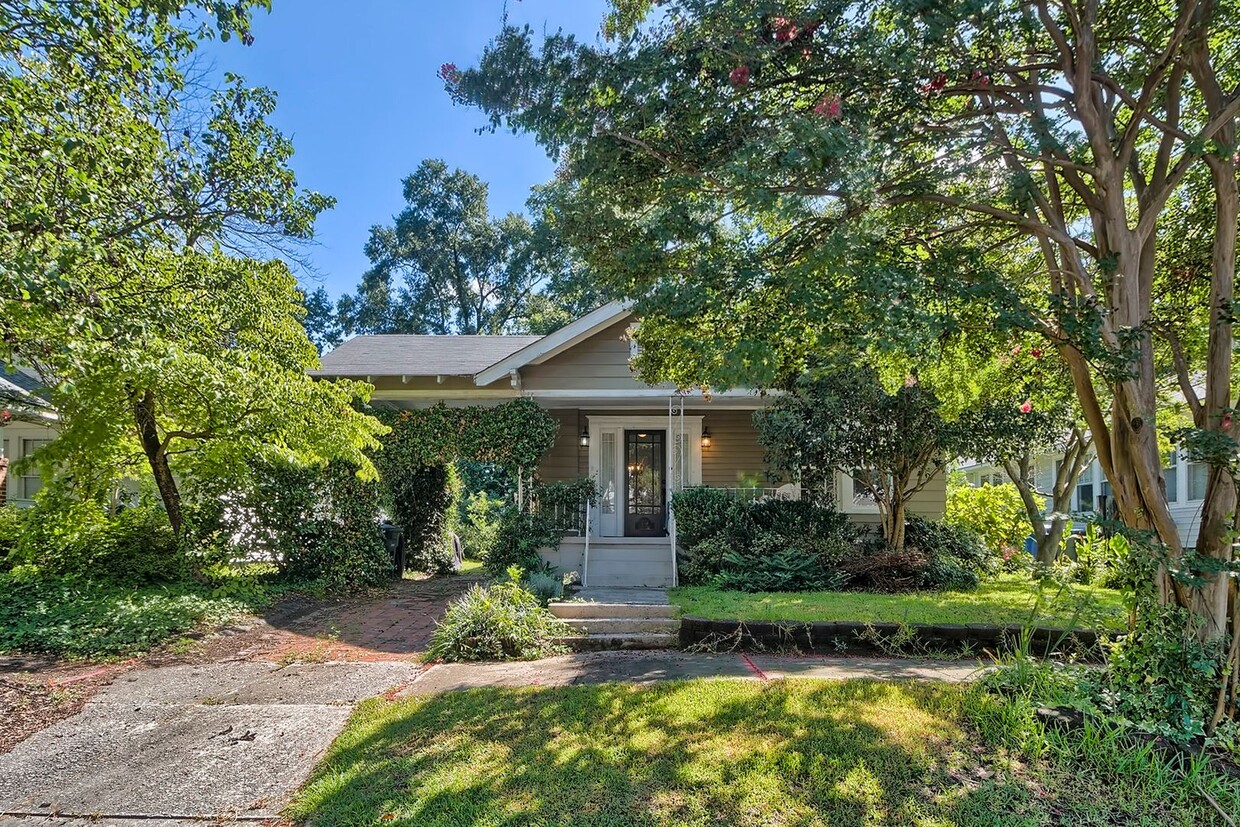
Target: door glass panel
pixel 644 490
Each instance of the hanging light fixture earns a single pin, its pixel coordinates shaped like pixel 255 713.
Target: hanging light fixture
pixel 585 437
pixel 705 437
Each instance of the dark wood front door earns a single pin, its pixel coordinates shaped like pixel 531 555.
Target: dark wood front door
pixel 645 483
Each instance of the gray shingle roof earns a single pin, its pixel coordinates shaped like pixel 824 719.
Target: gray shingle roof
pixel 17 385
pixel 393 354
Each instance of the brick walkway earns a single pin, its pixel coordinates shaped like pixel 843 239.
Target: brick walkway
pixel 394 626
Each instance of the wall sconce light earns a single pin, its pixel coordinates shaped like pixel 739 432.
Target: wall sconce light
pixel 585 437
pixel 705 437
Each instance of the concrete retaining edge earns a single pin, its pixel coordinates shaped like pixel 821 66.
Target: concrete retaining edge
pixel 846 636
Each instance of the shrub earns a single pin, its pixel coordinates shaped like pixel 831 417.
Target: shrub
pixel 522 533
pixel 136 546
pixel 341 543
pixel 787 545
pixel 545 585
pixel 502 621
pixel 995 513
pixel 703 512
pixel 955 558
pixel 772 565
pixel 318 524
pixel 518 538
pixel 12 519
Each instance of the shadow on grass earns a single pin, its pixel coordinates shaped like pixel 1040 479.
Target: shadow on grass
pixel 701 752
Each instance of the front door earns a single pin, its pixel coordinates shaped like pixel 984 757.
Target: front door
pixel 645 483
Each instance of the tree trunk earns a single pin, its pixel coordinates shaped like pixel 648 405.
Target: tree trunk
pixel 157 458
pixel 895 524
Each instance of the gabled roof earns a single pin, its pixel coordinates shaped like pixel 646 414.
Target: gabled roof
pixel 394 354
pixel 537 352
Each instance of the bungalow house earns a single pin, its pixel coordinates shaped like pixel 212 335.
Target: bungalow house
pixel 641 443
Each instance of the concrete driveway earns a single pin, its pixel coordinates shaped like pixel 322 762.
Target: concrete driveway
pixel 220 741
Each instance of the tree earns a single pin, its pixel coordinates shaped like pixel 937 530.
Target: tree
pixel 198 378
pixel 122 188
pixel 446 266
pixel 891 444
pixel 764 143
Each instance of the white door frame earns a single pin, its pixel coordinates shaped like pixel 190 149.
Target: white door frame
pixel 612 524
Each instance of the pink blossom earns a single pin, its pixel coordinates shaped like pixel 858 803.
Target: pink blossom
pixel 828 107
pixel 449 73
pixel 1026 406
pixel 936 84
pixel 785 29
pixel 5 416
pixel 1036 353
pixel 1227 421
pixel 1016 350
pixel 739 76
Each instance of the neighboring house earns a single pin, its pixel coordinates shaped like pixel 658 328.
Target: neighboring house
pixel 1186 486
pixel 641 443
pixel 26 423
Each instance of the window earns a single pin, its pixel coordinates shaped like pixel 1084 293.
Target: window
pixel 1198 476
pixel 855 495
pixel 31 481
pixel 1085 491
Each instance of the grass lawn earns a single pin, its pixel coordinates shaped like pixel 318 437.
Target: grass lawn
pixel 470 567
pixel 731 752
pixel 1009 599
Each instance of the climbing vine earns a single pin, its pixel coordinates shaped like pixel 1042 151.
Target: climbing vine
pixel 421 490
pixel 514 435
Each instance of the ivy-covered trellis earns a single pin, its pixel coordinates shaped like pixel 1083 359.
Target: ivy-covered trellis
pixel 417 463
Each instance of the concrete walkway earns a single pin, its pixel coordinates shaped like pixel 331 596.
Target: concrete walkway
pixel 225 741
pixel 648 667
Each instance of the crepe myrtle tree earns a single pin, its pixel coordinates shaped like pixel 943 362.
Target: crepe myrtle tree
pixel 893 444
pixel 728 148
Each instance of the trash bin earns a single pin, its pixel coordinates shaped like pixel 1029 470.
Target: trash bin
pixel 394 542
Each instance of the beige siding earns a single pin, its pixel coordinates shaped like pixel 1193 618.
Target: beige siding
pixel 599 363
pixel 734 451
pixel 566 460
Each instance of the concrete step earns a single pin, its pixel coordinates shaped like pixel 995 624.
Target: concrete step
pixel 595 610
pixel 647 640
pixel 625 625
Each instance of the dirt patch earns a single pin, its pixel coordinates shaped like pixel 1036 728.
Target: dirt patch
pixel 38 692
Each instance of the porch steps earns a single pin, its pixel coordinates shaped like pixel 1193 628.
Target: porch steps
pixel 619 625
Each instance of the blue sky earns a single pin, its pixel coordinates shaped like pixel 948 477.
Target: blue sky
pixel 359 96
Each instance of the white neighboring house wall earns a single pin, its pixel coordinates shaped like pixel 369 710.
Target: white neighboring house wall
pixel 18 440
pixel 1186 482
